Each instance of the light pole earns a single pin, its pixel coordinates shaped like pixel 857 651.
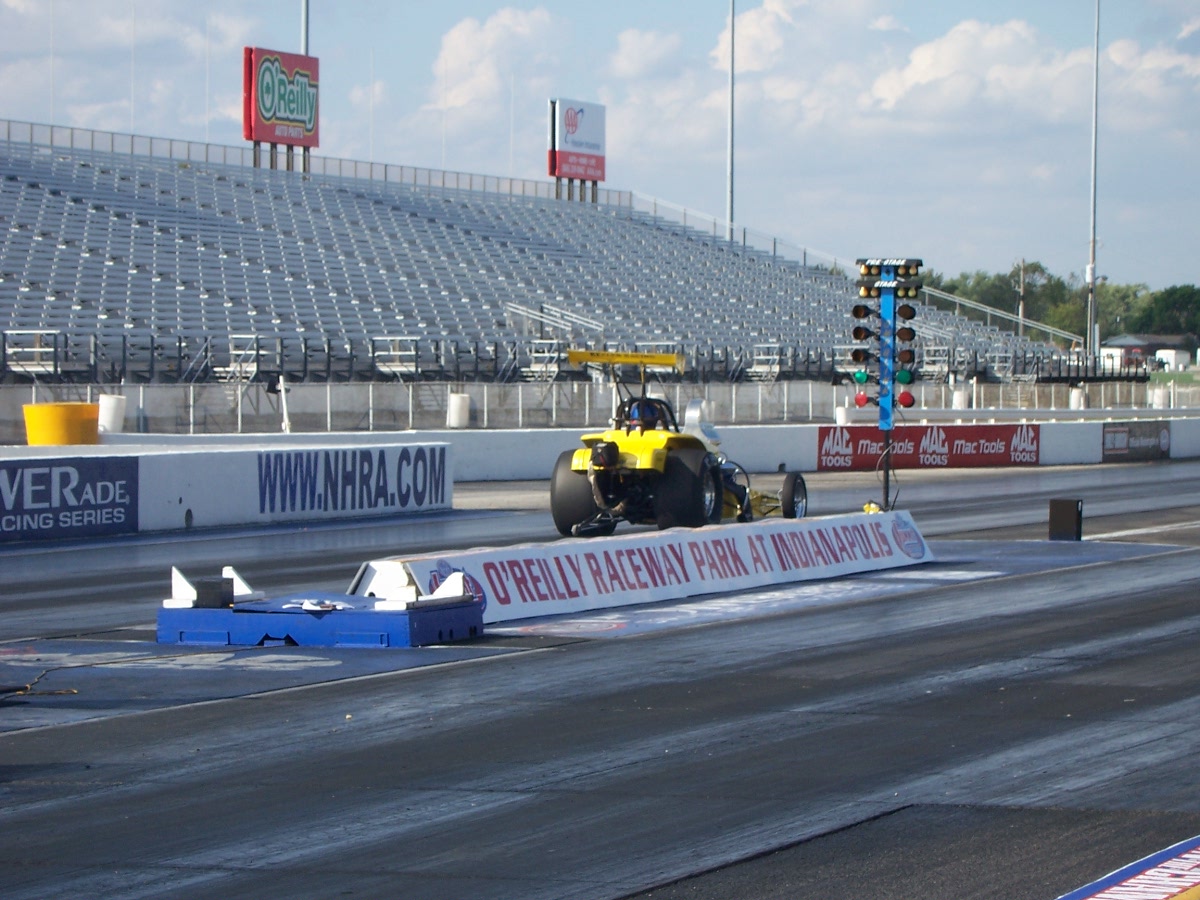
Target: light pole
pixel 1092 338
pixel 729 149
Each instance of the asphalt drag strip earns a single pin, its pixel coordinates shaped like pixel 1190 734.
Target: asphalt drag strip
pixel 59 681
pixel 944 851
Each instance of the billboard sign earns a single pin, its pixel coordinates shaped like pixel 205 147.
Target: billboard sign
pixel 1136 441
pixel 576 140
pixel 279 97
pixel 70 497
pixel 857 447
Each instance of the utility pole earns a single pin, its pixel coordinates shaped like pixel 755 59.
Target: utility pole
pixel 729 149
pixel 1092 338
pixel 1021 302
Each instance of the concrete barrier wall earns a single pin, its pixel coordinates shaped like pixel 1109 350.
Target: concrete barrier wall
pixel 127 484
pixel 1071 443
pixel 1185 438
pixel 104 490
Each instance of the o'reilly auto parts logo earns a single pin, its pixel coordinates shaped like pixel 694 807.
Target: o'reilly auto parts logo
pixel 836 451
pixel 1024 445
pixel 283 100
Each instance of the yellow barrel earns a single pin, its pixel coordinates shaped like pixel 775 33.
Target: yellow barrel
pixel 62 423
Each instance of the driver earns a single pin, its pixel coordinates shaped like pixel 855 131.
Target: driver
pixel 645 415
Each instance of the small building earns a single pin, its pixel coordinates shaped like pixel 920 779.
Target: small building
pixel 1155 351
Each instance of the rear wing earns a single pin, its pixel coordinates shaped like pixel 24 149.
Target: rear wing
pixel 622 358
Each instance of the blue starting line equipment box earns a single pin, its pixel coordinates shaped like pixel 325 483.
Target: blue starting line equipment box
pixel 224 611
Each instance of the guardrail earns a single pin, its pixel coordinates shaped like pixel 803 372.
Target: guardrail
pixel 220 154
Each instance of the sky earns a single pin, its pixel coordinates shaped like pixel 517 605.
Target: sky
pixel 959 132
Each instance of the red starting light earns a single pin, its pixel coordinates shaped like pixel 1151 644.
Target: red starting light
pixel 861 399
pixel 905 399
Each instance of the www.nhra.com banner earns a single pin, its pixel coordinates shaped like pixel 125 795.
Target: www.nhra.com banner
pixel 300 483
pixel 68 497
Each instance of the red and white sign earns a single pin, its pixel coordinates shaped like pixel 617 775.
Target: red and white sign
pixel 576 140
pixel 572 576
pixel 851 447
pixel 279 97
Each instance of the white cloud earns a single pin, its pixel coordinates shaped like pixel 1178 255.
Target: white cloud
pixel 640 54
pixel 761 34
pixel 362 96
pixel 887 23
pixel 476 57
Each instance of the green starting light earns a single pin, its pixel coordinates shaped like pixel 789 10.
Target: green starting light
pixel 904 376
pixel 862 376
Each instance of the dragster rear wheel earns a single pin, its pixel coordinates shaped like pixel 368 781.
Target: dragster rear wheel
pixel 571 499
pixel 689 493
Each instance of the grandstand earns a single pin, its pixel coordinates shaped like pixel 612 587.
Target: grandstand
pixel 120 265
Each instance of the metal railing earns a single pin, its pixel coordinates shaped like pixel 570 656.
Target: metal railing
pixel 219 154
pixel 219 408
pixel 991 312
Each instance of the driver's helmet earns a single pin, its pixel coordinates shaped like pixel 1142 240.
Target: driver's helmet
pixel 644 413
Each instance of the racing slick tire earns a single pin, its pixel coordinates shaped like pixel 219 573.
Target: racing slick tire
pixel 793 499
pixel 689 492
pixel 571 499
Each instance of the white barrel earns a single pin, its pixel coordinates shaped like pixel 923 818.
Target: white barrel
pixel 458 411
pixel 112 414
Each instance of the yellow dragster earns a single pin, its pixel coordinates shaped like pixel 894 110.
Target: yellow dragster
pixel 645 469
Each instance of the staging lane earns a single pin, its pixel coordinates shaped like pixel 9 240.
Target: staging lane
pixel 551 773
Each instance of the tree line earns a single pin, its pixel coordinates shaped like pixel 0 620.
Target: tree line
pixel 1062 302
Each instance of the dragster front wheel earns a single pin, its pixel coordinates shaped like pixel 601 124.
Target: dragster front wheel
pixel 794 497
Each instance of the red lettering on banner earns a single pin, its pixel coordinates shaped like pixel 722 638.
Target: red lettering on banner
pixel 735 558
pixel 717 552
pixel 757 557
pixel 676 551
pixel 864 538
pixel 831 550
pixel 652 566
pixel 785 552
pixel 535 580
pixel 853 542
pixel 715 565
pixel 698 558
pixel 807 559
pixel 517 573
pixel 881 536
pixel 495 580
pixel 568 592
pixel 814 547
pixel 597 573
pixel 573 564
pixel 635 568
pixel 613 573
pixel 555 589
pixel 844 550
